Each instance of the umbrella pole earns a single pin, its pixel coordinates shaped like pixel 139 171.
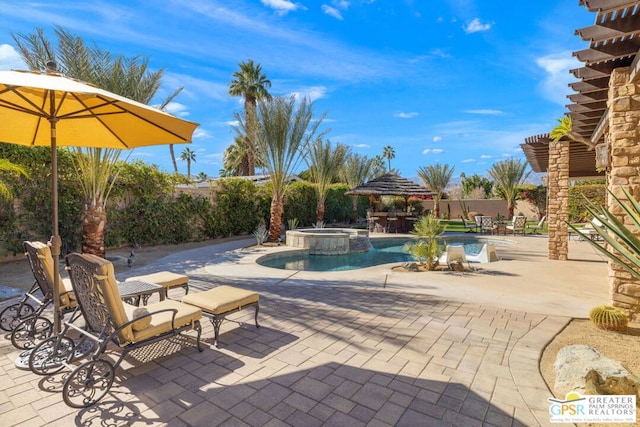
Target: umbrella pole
pixel 56 243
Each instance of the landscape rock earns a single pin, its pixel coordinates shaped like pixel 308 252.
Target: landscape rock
pixel 585 370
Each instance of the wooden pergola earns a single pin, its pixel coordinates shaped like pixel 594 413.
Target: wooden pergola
pixel 605 111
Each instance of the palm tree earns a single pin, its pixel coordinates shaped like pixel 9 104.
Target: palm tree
pixel 163 107
pixel 324 164
pixel 356 171
pixel 508 176
pixel 565 128
pixel 188 156
pixel 436 177
pixel 282 141
pixel 128 77
pixel 7 167
pixel 377 166
pixel 388 153
pixel 251 84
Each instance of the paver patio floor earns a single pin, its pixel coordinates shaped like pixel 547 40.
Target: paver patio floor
pixel 380 349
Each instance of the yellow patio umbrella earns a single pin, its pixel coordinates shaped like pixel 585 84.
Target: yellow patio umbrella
pixel 50 109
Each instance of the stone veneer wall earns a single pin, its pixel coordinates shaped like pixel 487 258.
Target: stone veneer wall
pixel 558 200
pixel 624 147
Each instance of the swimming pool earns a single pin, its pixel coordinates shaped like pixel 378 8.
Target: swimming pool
pixel 385 250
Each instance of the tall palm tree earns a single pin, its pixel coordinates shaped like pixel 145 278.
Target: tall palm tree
pixel 388 153
pixel 436 177
pixel 188 156
pixel 356 171
pixel 163 107
pixel 7 167
pixel 282 141
pixel 324 164
pixel 251 84
pixel 129 77
pixel 508 176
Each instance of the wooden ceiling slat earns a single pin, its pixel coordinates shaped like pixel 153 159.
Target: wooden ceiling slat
pixel 604 5
pixel 611 28
pixel 609 51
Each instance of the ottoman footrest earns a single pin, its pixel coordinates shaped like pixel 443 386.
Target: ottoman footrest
pixel 218 302
pixel 167 279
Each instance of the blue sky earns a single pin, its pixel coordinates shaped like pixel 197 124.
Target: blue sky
pixel 461 82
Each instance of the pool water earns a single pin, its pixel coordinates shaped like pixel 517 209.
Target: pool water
pixel 384 251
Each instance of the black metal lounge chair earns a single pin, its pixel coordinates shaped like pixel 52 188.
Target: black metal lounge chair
pixel 108 320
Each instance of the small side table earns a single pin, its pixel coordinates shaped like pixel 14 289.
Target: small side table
pixel 134 291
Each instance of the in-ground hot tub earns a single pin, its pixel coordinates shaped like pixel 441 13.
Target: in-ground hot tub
pixel 330 241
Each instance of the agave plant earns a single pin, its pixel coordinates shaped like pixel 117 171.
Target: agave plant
pixel 625 243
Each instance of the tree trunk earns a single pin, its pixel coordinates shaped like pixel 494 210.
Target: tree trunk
pixel 94 220
pixel 436 208
pixel 173 158
pixel 275 222
pixel 251 119
pixel 320 211
pixel 354 209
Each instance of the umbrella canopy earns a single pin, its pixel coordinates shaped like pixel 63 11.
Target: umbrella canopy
pixel 49 109
pixel 390 184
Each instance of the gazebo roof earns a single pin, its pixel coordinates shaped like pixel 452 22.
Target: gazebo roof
pixel 390 184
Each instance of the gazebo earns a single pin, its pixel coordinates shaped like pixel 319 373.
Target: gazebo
pixel 390 184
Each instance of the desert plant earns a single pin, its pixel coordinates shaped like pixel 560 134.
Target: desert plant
pixel 260 234
pixel 609 318
pixel 426 249
pixel 292 223
pixel 623 241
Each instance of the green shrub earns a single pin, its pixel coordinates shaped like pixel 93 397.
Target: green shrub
pixel 578 197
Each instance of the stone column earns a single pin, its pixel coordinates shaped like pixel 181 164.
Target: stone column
pixel 558 196
pixel 624 146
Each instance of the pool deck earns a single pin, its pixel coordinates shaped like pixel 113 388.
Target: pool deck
pixel 364 347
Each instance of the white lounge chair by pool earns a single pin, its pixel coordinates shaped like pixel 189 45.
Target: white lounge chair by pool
pixel 487 254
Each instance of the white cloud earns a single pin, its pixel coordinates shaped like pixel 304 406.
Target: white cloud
pixel 475 26
pixel 469 161
pixel 10 59
pixel 331 11
pixel 177 109
pixel 432 151
pixel 403 115
pixel 485 156
pixel 311 92
pixel 437 139
pixel 362 146
pixel 341 4
pixel 282 7
pixel 554 86
pixel 200 133
pixel 485 112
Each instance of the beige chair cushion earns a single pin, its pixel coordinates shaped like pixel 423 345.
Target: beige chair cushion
pixel 67 297
pixel 158 323
pixel 109 286
pixel 161 322
pixel 221 299
pixel 163 278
